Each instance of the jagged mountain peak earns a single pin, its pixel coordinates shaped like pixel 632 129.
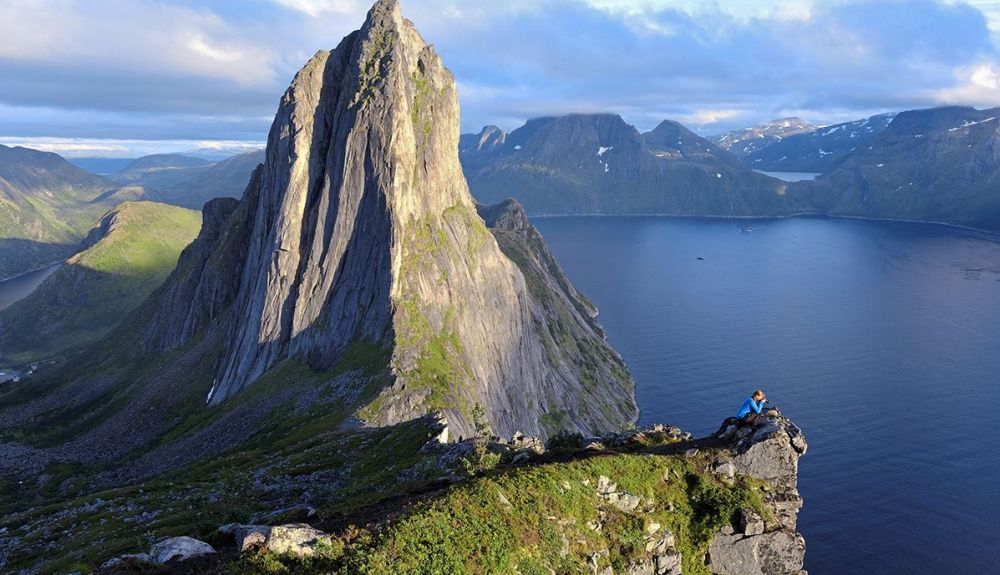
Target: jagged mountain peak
pixel 359 229
pixel 488 139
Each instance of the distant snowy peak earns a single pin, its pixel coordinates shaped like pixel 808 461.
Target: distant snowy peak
pixel 817 150
pixel 755 138
pixel 857 128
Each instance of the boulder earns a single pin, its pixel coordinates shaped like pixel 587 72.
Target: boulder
pixel 775 553
pixel 247 537
pixel 296 539
pixel 606 486
pixel 128 560
pixel 179 549
pixel 624 501
pixel 750 522
pixel 724 470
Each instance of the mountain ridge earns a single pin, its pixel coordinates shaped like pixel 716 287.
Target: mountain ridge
pixel 47 205
pixel 598 164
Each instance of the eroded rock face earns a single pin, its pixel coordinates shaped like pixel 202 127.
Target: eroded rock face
pixel 359 227
pixel 774 553
pixel 770 453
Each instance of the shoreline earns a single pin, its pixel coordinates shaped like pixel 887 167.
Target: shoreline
pixel 38 269
pixel 995 235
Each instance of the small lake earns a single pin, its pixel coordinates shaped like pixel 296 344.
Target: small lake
pixel 18 287
pixel 881 340
pixel 791 176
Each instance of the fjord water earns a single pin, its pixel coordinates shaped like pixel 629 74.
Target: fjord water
pixel 20 286
pixel 881 340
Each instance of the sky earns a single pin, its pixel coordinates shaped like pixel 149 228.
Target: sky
pixel 122 78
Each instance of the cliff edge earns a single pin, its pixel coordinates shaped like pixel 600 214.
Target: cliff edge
pixel 650 501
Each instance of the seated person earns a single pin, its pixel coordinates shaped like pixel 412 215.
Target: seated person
pixel 750 411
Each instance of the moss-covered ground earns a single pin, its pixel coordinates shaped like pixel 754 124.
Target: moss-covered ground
pixel 534 519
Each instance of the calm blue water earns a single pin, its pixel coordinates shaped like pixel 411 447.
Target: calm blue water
pixel 881 340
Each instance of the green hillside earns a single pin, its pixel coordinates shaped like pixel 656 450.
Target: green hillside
pixel 131 252
pixel 46 207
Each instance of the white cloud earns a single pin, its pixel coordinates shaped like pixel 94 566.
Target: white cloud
pixel 33 27
pixel 977 85
pixel 137 36
pixel 181 69
pixel 709 116
pixel 115 148
pixel 738 9
pixel 316 8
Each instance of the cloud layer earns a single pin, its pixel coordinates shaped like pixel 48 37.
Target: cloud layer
pixel 117 70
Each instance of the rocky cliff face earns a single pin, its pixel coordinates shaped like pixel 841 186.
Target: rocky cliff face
pixel 359 228
pixel 565 322
pixel 598 164
pixel 752 546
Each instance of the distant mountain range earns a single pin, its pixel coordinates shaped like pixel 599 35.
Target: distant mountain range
pixel 47 204
pixel 749 141
pixel 936 165
pixel 940 165
pixel 598 164
pixel 793 146
pixel 187 181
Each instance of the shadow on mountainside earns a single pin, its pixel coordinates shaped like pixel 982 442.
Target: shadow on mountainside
pixel 19 256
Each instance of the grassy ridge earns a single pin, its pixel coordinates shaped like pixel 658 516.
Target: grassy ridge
pixel 46 207
pixel 538 519
pixel 97 287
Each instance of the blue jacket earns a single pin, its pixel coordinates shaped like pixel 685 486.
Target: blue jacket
pixel 748 406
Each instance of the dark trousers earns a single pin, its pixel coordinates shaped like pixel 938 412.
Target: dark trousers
pixel 753 418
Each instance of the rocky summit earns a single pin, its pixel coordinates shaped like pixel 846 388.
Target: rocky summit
pixel 359 228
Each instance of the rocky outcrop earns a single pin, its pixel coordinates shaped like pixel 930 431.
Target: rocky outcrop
pixel 769 453
pixel 296 539
pixel 359 229
pixel 200 291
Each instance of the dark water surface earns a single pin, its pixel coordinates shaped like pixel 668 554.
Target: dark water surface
pixel 18 287
pixel 881 340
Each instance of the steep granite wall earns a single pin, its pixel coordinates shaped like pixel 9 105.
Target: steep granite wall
pixel 359 229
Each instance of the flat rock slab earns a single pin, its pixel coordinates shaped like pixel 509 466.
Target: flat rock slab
pixel 179 549
pixel 775 553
